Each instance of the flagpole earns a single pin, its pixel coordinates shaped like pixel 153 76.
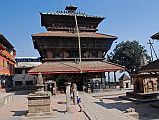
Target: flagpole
pixel 79 41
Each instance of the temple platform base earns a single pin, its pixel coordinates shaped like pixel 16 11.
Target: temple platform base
pixel 141 97
pixel 154 104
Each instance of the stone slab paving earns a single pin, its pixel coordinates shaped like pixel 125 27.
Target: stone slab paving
pixel 110 108
pixel 59 108
pixel 14 109
pixel 95 111
pixel 145 111
pixel 17 109
pixel 5 98
pixel 110 104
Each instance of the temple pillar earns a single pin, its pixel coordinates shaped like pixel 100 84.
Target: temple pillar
pixel 109 79
pixel 68 97
pixel 45 86
pixel 115 78
pixel 105 82
pixel 74 93
pixel 54 88
pixel 101 83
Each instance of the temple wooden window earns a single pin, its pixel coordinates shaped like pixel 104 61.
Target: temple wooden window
pixel 57 54
pixel 93 54
pixel 66 54
pixel 73 54
pixel 49 54
pixel 85 54
pixel 100 54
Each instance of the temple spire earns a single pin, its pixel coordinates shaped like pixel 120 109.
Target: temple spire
pixel 71 8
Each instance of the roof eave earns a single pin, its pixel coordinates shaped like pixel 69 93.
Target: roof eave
pixel 155 36
pixel 5 41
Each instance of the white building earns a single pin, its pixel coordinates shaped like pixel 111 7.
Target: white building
pixel 21 79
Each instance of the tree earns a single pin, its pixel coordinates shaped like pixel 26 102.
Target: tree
pixel 128 54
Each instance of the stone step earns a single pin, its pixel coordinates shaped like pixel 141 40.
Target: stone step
pixel 6 99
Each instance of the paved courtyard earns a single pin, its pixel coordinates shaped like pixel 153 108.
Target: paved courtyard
pixel 17 109
pixel 109 108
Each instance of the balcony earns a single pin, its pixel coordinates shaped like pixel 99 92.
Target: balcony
pixel 7 55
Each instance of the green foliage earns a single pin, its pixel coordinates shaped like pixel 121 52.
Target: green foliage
pixel 128 54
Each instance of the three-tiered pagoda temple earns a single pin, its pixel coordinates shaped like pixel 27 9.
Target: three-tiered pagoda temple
pixel 71 49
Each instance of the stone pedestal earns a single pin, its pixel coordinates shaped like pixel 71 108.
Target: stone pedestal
pixel 39 104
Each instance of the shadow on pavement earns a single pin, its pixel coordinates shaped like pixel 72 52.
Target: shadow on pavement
pixel 23 92
pixel 19 113
pixel 60 111
pixel 143 109
pixel 113 98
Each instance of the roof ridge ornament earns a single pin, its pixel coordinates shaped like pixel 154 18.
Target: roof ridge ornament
pixel 71 8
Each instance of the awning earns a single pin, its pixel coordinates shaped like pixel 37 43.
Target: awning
pixel 75 67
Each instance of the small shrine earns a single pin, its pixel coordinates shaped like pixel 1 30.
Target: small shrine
pixel 124 81
pixel 146 82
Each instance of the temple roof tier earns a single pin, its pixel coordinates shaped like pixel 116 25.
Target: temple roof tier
pixel 75 67
pixel 71 34
pixel 67 19
pixel 155 36
pixel 151 67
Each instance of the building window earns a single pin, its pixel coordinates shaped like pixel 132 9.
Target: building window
pixel 18 83
pixel 29 83
pixel 23 71
pixel 18 71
